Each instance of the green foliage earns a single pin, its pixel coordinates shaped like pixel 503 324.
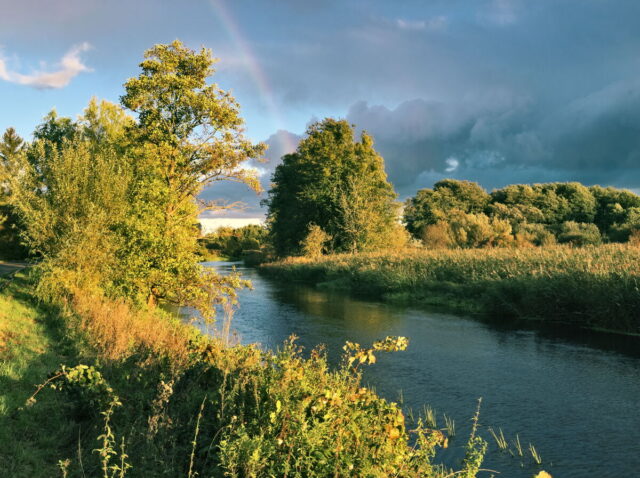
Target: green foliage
pixel 55 130
pixel 70 199
pixel 336 183
pixel 232 243
pixel 11 246
pixel 430 206
pixel 189 134
pixel 537 213
pixel 354 352
pixel 478 230
pixel 463 230
pixel 110 202
pixel 579 234
pixel 534 234
pixel 315 243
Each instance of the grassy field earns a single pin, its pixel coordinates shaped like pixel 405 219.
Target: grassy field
pixel 597 287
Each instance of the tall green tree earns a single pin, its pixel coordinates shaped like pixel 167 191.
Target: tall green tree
pixel 189 134
pixel 336 184
pixel 71 196
pixel 11 246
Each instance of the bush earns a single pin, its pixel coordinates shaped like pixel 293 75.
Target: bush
pixel 438 236
pixel 478 230
pixel 315 244
pixel 579 234
pixel 534 234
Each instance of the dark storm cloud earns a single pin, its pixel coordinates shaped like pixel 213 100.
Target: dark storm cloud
pixel 496 91
pixel 496 139
pixel 593 139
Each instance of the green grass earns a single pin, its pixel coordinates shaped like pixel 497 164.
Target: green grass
pixel 595 287
pixel 32 439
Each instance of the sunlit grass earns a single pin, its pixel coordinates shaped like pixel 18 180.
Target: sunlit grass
pixel 30 348
pixel 592 286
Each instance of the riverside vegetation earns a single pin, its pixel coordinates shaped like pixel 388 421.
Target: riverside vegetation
pixel 144 394
pixel 108 205
pixel 595 286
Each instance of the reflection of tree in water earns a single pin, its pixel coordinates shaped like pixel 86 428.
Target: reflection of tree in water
pixel 354 314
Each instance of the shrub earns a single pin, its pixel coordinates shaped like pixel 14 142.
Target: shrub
pixel 579 234
pixel 315 244
pixel 438 236
pixel 534 234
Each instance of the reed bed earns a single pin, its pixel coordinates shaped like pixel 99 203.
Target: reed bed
pixel 597 287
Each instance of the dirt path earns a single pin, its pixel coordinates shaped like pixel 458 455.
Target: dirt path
pixel 7 268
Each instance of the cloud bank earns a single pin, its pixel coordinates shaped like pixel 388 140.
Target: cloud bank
pixel 70 66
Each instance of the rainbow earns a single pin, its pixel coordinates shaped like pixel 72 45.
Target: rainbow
pixel 256 72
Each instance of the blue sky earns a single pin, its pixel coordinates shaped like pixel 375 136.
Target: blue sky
pixel 495 91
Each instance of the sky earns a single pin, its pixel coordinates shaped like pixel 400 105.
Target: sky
pixel 493 91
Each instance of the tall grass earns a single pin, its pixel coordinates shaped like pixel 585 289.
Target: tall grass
pixel 596 286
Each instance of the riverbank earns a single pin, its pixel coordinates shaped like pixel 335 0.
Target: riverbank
pixel 595 287
pixel 141 393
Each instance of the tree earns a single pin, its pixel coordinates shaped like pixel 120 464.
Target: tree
pixel 478 230
pixel 556 202
pixel 188 134
pixel 10 145
pixel 70 197
pixel 614 211
pixel 336 183
pixel 430 206
pixel 126 189
pixel 11 246
pixel 314 244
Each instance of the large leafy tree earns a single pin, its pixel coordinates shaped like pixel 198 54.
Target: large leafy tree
pixel 70 194
pixel 335 183
pixel 189 133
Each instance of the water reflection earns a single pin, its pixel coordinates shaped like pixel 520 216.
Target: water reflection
pixel 575 399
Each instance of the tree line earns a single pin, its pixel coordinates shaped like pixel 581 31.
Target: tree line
pixel 462 214
pixel 332 195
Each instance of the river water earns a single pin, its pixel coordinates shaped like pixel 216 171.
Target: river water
pixel 575 399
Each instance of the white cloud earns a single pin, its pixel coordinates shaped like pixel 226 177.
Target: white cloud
pixel 452 164
pixel 70 66
pixel 433 24
pixel 501 12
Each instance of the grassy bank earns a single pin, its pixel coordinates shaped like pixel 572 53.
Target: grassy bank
pixel 131 392
pixel 596 287
pixel 32 344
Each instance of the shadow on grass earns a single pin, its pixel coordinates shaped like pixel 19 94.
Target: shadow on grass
pixel 34 438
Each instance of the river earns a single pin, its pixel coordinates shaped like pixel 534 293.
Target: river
pixel 575 399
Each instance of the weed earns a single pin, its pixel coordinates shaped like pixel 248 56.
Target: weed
pixel 535 455
pixel 499 439
pixel 450 426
